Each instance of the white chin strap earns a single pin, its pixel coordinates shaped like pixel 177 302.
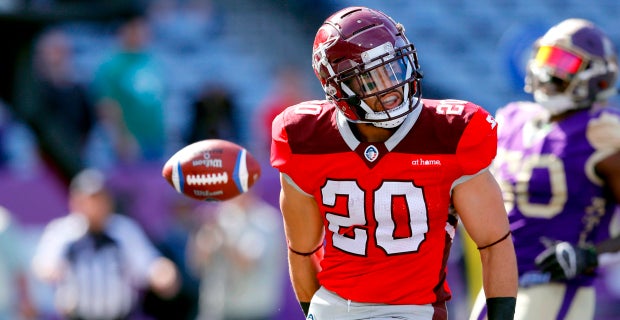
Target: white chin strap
pixel 389 124
pixel 555 104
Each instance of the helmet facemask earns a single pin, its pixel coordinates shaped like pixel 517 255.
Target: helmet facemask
pixel 385 77
pixel 553 74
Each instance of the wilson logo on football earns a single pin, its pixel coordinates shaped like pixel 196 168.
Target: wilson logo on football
pixel 207 161
pixel 201 193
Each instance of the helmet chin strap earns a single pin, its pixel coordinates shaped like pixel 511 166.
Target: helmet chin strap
pixel 354 100
pixel 388 124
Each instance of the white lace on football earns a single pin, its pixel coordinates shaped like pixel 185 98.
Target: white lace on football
pixel 207 179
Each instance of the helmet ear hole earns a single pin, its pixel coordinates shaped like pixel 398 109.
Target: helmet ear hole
pixel 603 84
pixel 355 101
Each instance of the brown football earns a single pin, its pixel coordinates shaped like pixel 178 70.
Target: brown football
pixel 212 170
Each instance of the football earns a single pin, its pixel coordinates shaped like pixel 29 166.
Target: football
pixel 212 170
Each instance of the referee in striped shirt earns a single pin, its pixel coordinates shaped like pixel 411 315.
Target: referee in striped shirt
pixel 98 260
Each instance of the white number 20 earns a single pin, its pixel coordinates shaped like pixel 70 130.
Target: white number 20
pixel 355 217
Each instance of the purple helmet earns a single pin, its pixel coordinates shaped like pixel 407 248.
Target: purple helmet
pixel 572 66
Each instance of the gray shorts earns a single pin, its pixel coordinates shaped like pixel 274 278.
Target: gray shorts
pixel 326 305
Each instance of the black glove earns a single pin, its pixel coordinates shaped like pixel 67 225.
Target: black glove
pixel 564 261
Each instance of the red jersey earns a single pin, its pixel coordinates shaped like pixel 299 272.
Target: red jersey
pixel 385 206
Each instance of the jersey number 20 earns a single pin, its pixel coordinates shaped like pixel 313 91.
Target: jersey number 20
pixel 355 217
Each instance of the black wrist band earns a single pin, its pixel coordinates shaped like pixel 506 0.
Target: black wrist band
pixel 305 306
pixel 502 308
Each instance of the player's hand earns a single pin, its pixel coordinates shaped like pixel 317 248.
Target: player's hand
pixel 564 261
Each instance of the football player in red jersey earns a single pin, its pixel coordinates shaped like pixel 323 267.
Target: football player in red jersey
pixel 373 178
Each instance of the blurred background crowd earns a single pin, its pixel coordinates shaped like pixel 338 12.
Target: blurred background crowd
pixel 120 85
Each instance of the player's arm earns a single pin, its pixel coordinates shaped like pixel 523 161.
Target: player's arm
pixel 48 263
pixel 609 170
pixel 480 206
pixel 304 232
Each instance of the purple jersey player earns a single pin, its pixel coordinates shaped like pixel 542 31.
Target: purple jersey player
pixel 558 164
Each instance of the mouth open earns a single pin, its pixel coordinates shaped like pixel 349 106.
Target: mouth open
pixel 391 100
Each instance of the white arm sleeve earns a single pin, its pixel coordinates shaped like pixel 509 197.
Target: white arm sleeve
pixel 136 246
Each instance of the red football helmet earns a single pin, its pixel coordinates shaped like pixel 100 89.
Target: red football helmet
pixel 572 66
pixel 360 53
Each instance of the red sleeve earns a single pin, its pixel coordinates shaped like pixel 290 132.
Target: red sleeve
pixel 280 149
pixel 478 145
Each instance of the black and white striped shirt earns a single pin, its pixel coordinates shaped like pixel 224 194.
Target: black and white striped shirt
pixel 101 273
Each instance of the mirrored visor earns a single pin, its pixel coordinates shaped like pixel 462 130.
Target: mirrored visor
pixel 564 62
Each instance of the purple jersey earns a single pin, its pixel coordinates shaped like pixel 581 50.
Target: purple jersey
pixel 546 171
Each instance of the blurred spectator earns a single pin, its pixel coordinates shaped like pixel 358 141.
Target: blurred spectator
pixel 174 245
pixel 183 25
pixel 18 147
pixel 129 90
pixel 214 116
pixel 15 297
pixel 241 257
pixel 288 88
pixel 99 260
pixel 55 105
